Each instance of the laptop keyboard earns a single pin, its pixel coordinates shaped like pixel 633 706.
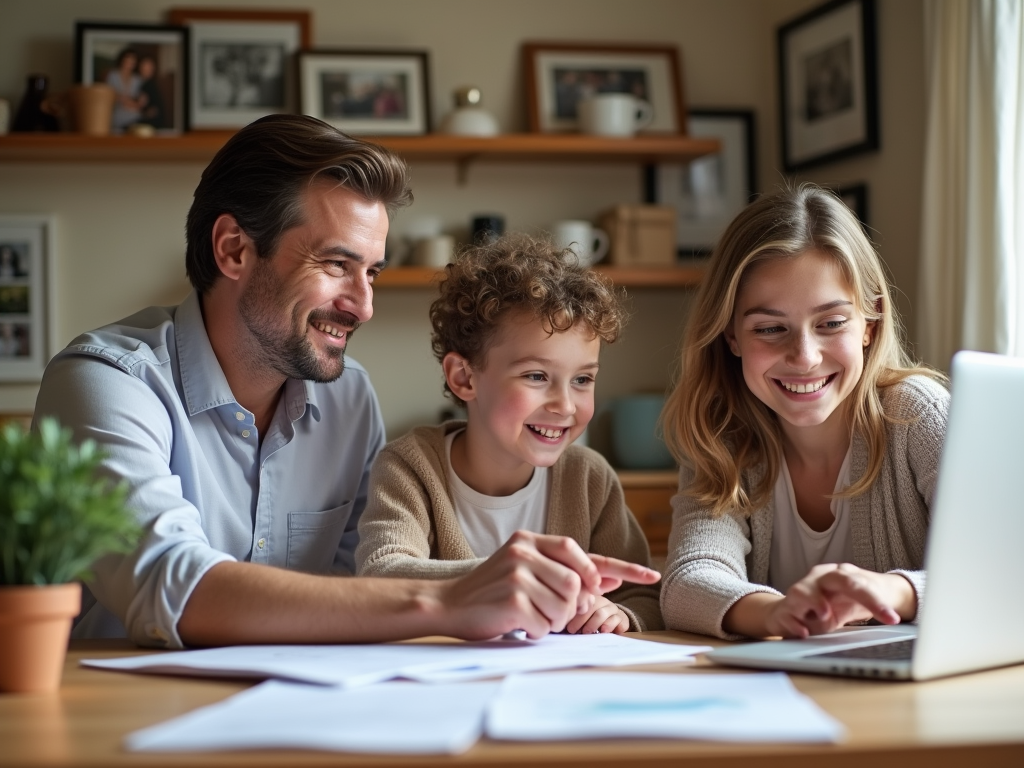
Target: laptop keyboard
pixel 899 650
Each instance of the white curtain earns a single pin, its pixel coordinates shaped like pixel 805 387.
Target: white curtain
pixel 971 286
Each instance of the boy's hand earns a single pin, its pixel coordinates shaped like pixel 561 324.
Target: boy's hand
pixel 535 582
pixel 605 617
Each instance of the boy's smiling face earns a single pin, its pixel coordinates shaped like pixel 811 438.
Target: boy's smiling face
pixel 533 396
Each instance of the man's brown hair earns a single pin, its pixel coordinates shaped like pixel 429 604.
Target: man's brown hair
pixel 260 175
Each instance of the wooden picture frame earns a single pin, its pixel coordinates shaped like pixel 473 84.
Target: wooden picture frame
pixel 708 192
pixel 558 74
pixel 828 84
pixel 367 92
pixel 241 63
pixel 154 89
pixel 27 304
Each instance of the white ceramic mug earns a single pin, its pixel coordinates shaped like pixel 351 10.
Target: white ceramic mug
pixel 589 243
pixel 613 114
pixel 434 251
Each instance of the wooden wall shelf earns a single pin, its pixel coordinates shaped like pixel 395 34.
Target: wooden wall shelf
pixel 200 146
pixel 628 277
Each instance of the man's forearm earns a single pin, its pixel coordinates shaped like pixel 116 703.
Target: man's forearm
pixel 241 603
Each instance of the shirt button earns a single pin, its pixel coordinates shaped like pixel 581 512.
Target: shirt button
pixel 245 433
pixel 260 543
pixel 240 416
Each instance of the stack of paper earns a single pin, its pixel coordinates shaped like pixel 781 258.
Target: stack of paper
pixel 435 719
pixel 355 665
pixel 448 718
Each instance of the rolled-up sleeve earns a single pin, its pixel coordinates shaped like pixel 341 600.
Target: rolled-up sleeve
pixel 132 422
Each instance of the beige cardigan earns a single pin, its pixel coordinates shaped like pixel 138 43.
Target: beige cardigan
pixel 714 561
pixel 409 528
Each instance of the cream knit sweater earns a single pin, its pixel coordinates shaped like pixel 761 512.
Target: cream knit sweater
pixel 409 528
pixel 714 561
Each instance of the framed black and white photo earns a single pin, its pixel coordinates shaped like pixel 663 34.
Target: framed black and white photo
pixel 241 63
pixel 828 83
pixel 558 75
pixel 367 92
pixel 26 303
pixel 709 191
pixel 147 67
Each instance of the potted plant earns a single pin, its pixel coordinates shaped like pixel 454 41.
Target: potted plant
pixel 57 515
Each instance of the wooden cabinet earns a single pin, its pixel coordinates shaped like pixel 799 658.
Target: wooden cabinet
pixel 647 495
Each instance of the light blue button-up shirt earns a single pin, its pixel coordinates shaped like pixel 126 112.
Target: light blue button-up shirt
pixel 151 392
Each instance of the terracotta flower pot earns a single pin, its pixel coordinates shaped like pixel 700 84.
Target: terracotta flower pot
pixel 35 623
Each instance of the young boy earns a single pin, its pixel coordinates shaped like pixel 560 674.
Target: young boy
pixel 517 328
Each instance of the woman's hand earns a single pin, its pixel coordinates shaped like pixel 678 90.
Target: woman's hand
pixel 828 597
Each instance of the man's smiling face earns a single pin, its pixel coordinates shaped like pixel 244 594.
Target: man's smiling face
pixel 303 303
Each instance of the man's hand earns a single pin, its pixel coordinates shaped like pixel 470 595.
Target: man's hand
pixel 828 597
pixel 535 582
pixel 606 617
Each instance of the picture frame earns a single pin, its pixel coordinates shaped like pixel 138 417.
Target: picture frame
pixel 26 299
pixel 153 89
pixel 557 75
pixel 367 92
pixel 708 192
pixel 828 84
pixel 241 63
pixel 856 198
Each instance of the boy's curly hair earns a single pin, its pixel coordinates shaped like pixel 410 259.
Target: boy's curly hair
pixel 518 273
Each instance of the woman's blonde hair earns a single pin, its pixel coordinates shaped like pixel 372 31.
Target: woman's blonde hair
pixel 713 422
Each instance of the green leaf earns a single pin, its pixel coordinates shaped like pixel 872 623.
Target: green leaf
pixel 57 513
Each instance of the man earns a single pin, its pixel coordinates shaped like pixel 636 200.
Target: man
pixel 246 437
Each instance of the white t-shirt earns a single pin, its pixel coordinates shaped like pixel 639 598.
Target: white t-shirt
pixel 488 521
pixel 796 547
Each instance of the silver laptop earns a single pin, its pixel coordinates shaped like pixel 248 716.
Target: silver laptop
pixel 973 612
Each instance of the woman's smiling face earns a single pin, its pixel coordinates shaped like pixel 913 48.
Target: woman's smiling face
pixel 800 334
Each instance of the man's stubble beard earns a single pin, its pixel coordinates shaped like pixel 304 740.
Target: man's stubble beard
pixel 286 351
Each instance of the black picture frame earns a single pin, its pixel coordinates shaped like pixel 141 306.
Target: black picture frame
pixel 856 198
pixel 399 78
pixel 828 84
pixel 708 192
pixel 98 46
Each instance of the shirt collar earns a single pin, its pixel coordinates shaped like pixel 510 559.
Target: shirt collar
pixel 202 379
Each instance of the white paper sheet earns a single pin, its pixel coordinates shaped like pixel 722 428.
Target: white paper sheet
pixel 391 718
pixel 719 707
pixel 351 666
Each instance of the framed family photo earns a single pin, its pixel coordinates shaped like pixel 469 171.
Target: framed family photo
pixel 828 83
pixel 145 64
pixel 367 92
pixel 26 304
pixel 241 63
pixel 709 191
pixel 558 75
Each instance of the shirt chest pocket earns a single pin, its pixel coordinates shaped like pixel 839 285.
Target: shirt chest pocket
pixel 314 538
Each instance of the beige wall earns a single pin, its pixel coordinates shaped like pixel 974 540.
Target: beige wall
pixel 120 227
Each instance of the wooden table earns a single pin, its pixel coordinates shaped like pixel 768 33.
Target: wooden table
pixel 972 720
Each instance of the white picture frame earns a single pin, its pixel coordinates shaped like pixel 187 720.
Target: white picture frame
pixel 708 192
pixel 241 63
pixel 27 304
pixel 367 92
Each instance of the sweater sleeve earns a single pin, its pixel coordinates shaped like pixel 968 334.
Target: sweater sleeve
pixel 395 529
pixel 706 571
pixel 616 533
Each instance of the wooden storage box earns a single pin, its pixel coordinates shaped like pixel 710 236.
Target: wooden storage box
pixel 640 235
